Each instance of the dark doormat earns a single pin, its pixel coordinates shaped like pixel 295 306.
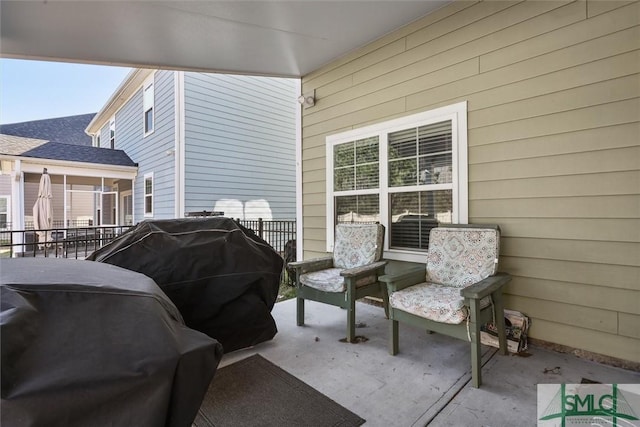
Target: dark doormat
pixel 255 392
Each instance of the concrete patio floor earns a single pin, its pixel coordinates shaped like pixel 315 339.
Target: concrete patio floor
pixel 427 383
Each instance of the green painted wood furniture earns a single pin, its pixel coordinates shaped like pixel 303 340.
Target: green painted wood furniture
pixel 457 291
pixel 349 274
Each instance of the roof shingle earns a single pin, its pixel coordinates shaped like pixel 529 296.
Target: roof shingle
pixel 68 129
pixel 42 149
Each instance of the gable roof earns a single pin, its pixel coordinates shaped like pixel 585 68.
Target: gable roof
pixel 42 149
pixel 69 129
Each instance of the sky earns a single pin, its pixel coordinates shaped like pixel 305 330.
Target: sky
pixel 34 90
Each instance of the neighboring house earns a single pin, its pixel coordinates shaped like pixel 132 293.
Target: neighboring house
pixel 77 171
pixel 524 114
pixel 68 130
pixel 82 177
pixel 203 142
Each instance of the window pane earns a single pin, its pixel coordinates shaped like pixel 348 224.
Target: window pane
pixel 361 208
pixel 402 144
pixel 414 214
pixel 355 165
pixel 402 172
pixel 367 176
pixel 435 138
pixel 367 150
pixel 147 99
pixel 436 169
pixel 148 186
pixel 343 155
pixel 148 120
pixel 148 206
pixel 3 205
pixel 343 179
pixel 421 156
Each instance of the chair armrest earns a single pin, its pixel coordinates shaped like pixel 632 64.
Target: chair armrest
pixel 486 287
pixel 396 282
pixel 365 269
pixel 313 264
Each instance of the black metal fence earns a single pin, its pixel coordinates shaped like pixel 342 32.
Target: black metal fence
pixel 275 232
pixel 280 234
pixel 77 242
pixel 58 223
pixel 80 241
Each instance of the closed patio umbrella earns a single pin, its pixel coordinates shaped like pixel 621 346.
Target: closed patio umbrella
pixel 42 209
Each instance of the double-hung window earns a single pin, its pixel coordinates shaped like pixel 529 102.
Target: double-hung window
pixel 148 101
pixel 409 174
pixel 112 133
pixel 148 194
pixel 4 213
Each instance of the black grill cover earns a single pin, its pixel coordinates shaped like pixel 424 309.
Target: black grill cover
pixel 223 278
pixel 87 344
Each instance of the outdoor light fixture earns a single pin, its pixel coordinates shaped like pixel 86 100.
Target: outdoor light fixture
pixel 307 99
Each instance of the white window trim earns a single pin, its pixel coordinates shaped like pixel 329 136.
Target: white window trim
pixel 8 212
pixel 457 113
pixel 112 127
pixel 144 194
pixel 150 81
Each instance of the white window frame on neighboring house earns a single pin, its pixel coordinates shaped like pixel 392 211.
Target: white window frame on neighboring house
pixel 148 106
pixel 96 139
pixel 439 144
pixel 112 133
pixel 6 212
pixel 148 194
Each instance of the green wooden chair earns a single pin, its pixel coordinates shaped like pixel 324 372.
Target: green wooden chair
pixel 460 291
pixel 349 274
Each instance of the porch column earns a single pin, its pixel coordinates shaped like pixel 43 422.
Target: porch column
pixel 17 205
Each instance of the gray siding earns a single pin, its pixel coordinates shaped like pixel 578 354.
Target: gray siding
pixel 150 152
pixel 5 185
pixel 240 141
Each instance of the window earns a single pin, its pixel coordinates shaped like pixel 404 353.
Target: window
pixel 4 213
pixel 112 134
pixel 409 174
pixel 96 139
pixel 148 99
pixel 148 194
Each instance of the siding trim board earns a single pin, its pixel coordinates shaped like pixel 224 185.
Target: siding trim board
pixel 553 95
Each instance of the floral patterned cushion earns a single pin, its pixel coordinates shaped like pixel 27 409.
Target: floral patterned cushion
pixel 330 280
pixel 434 302
pixel 462 256
pixel 357 245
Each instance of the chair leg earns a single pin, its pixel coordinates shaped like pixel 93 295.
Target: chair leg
pixel 393 337
pixel 300 311
pixel 476 354
pixel 502 335
pixel 385 299
pixel 351 320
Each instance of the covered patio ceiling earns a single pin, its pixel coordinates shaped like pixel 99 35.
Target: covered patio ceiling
pixel 279 38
